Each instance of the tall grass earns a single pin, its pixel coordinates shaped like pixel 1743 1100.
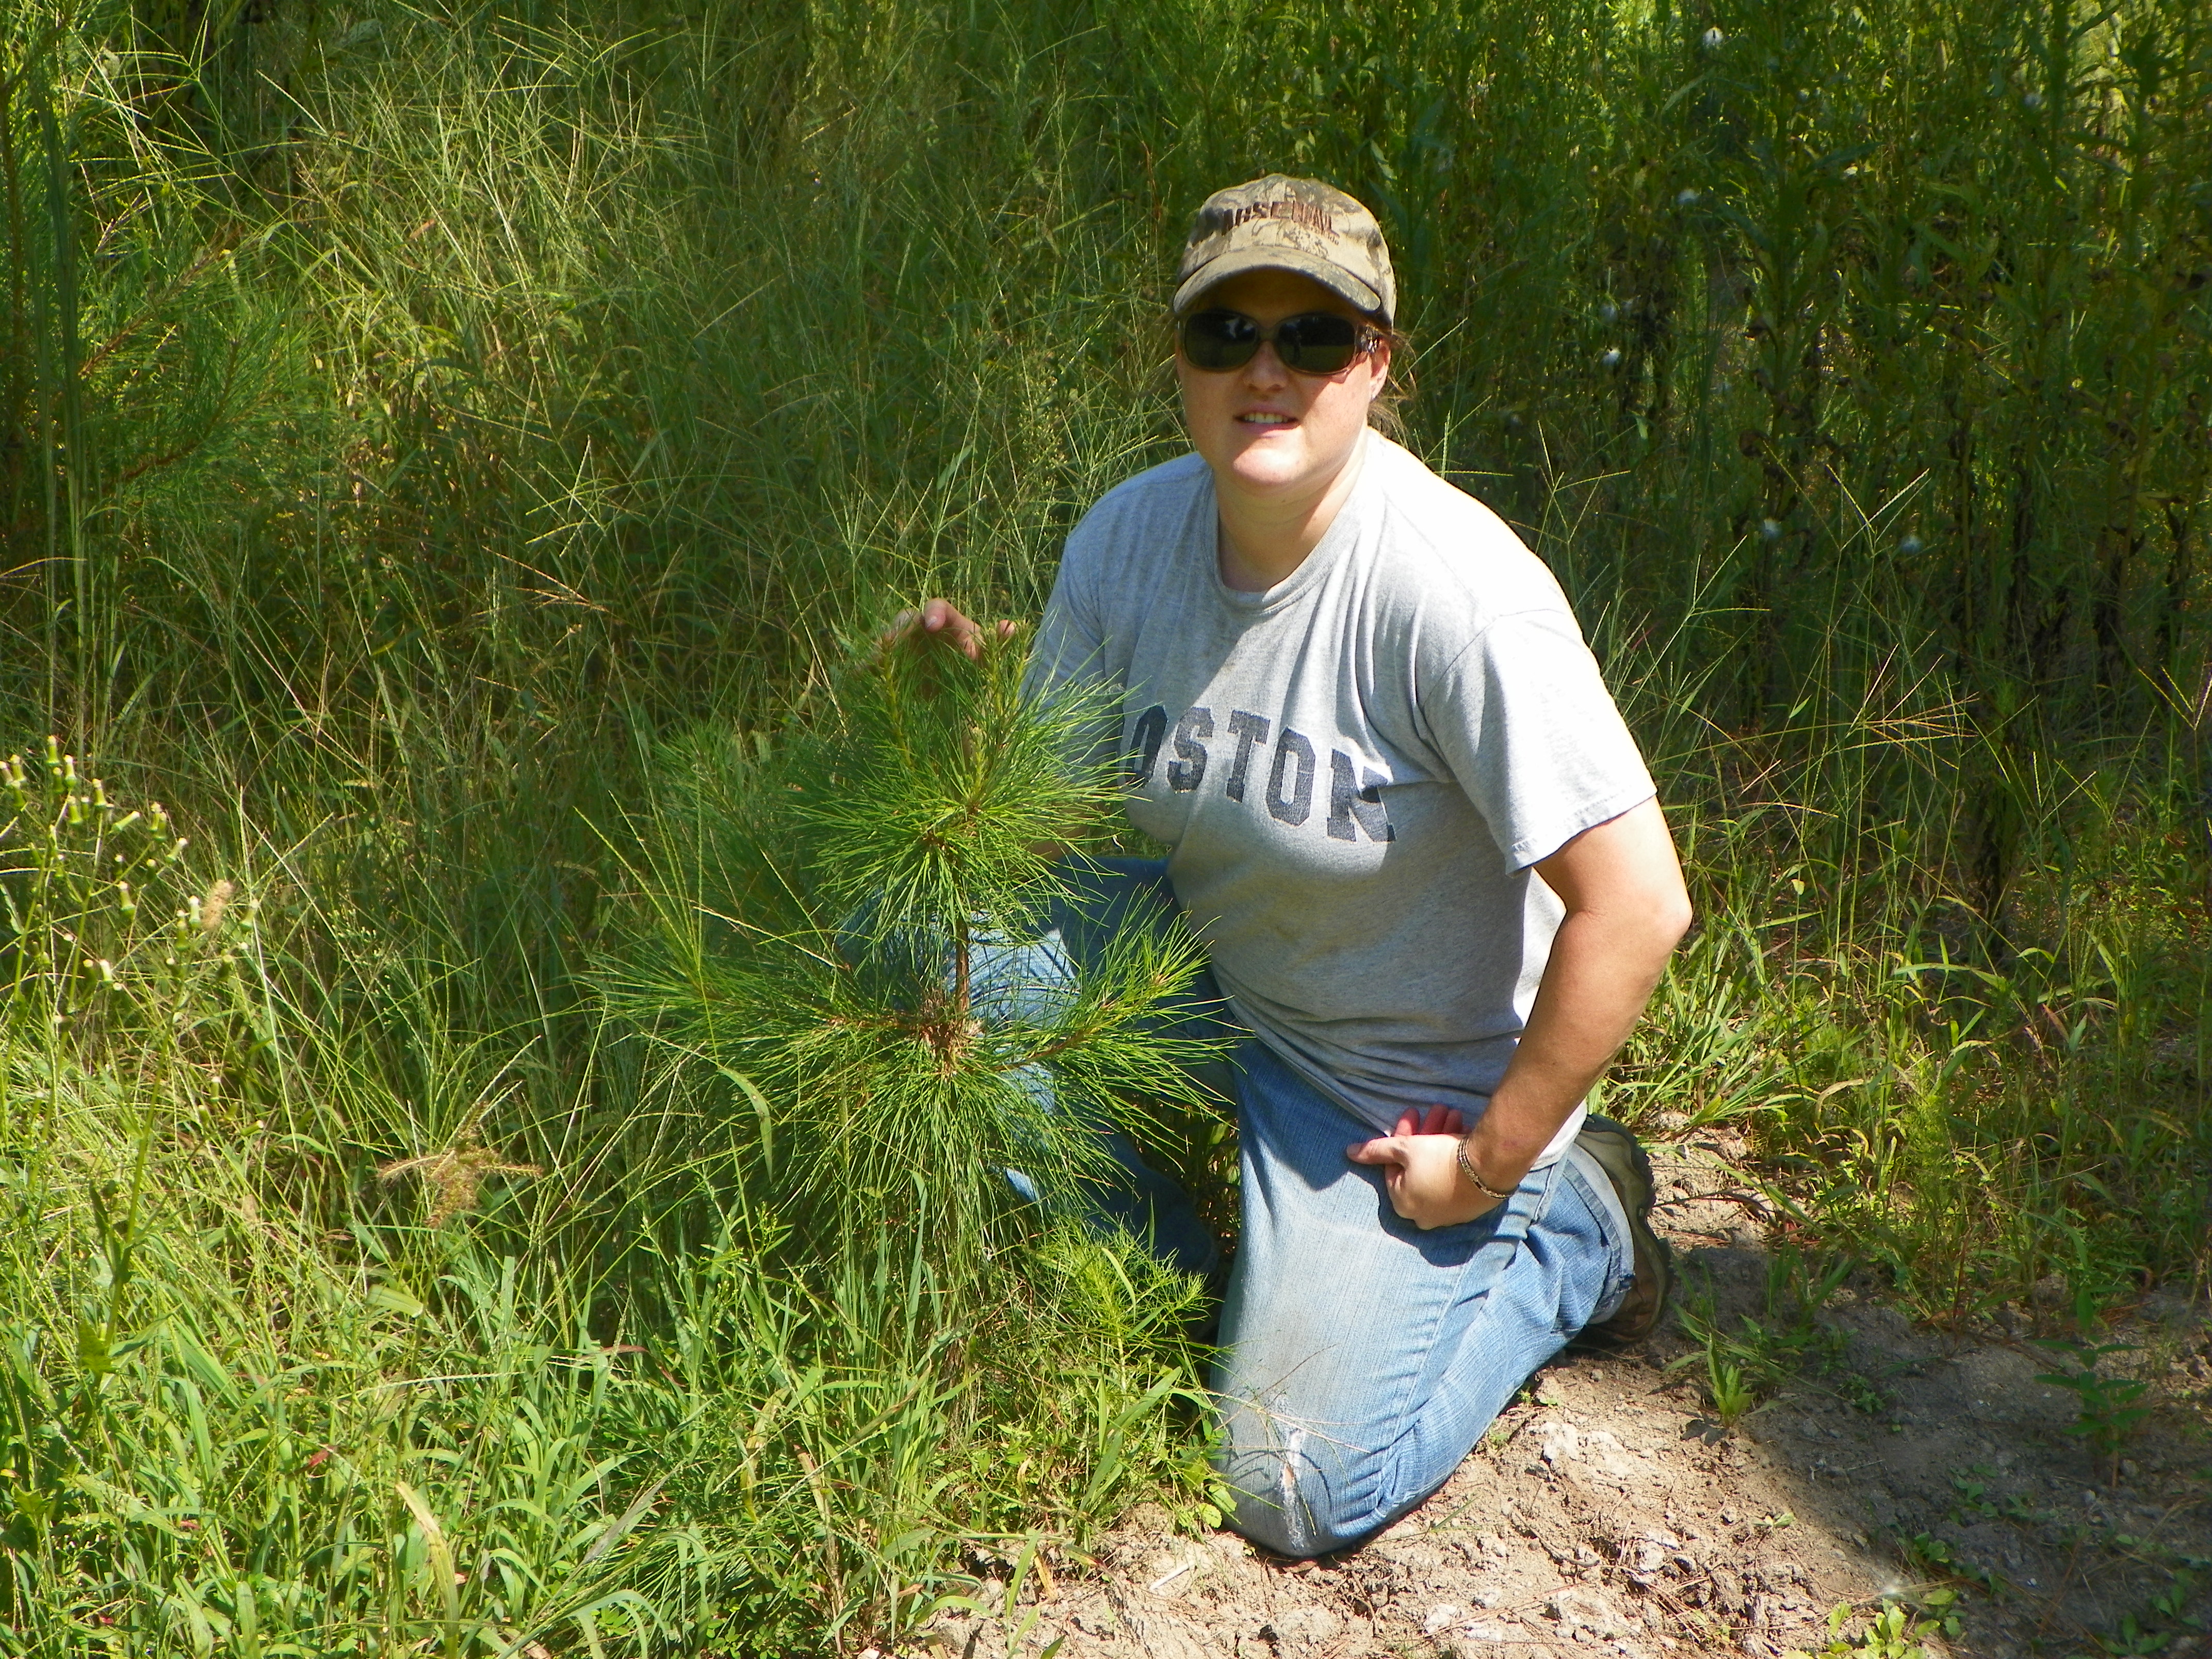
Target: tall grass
pixel 411 417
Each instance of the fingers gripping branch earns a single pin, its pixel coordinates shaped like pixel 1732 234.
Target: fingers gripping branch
pixel 939 622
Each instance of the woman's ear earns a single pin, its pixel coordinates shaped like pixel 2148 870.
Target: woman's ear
pixel 1379 358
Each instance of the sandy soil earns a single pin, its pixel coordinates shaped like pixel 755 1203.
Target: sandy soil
pixel 1607 1512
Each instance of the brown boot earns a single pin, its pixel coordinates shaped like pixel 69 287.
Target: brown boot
pixel 1625 1162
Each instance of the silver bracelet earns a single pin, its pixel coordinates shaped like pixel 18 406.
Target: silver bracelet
pixel 1480 1185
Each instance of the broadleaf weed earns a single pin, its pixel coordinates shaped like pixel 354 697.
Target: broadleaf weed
pixel 2111 1408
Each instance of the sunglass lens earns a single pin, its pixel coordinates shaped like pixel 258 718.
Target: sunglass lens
pixel 1219 339
pixel 1318 343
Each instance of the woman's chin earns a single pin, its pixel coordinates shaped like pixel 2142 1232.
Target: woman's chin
pixel 1269 464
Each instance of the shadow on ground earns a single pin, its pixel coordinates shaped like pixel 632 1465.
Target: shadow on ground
pixel 1609 1512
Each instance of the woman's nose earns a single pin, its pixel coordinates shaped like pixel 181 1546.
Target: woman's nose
pixel 1266 368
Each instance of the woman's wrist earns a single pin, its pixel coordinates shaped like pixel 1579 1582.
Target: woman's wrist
pixel 1471 1172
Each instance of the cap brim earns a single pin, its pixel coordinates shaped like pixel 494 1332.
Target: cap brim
pixel 1337 280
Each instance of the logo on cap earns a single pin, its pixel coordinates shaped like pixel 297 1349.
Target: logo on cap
pixel 1308 214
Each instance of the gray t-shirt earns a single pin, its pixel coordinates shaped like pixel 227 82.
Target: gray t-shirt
pixel 1355 768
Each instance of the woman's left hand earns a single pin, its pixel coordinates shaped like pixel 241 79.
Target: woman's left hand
pixel 1420 1166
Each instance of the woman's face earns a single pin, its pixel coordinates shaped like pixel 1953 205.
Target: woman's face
pixel 1262 429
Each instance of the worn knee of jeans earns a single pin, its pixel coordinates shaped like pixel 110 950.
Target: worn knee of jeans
pixel 1300 1490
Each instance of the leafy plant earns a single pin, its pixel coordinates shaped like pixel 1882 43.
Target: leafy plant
pixel 2156 1629
pixel 1895 1631
pixel 1930 1557
pixel 1732 1401
pixel 1974 1501
pixel 1744 1366
pixel 2132 1639
pixel 2111 1408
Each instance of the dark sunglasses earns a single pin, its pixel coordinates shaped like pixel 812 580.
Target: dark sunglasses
pixel 1311 343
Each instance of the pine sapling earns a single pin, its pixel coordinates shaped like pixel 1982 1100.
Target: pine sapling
pixel 853 932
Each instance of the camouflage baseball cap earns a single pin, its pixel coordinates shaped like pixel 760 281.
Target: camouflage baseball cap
pixel 1279 224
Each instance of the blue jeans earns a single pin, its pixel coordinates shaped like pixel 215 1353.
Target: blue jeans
pixel 1362 1357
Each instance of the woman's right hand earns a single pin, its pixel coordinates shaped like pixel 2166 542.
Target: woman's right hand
pixel 1421 1169
pixel 939 622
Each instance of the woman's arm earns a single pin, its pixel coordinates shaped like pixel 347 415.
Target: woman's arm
pixel 1626 908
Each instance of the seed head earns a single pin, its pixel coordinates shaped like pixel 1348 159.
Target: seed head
pixel 210 909
pixel 453 1176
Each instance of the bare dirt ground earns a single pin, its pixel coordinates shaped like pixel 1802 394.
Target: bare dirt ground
pixel 1609 1512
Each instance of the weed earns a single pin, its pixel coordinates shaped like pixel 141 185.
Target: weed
pixel 2167 1618
pixel 2173 1603
pixel 1974 1503
pixel 1725 1389
pixel 1744 1366
pixel 2131 1638
pixel 1895 1631
pixel 1929 1558
pixel 2111 1408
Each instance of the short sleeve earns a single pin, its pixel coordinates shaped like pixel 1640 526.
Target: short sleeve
pixel 1072 652
pixel 1523 721
pixel 1070 639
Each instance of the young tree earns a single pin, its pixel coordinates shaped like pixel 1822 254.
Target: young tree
pixel 859 931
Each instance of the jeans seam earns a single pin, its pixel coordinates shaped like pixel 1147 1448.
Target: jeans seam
pixel 1620 1252
pixel 1551 1186
pixel 1390 1460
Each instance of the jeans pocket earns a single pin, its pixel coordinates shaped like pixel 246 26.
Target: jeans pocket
pixel 1539 1208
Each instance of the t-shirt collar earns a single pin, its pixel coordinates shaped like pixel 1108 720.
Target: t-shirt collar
pixel 1343 532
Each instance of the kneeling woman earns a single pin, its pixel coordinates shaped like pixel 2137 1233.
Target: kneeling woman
pixel 1426 860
